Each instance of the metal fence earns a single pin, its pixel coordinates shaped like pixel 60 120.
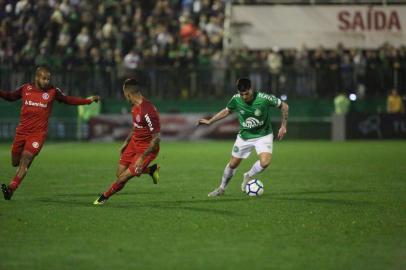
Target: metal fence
pixel 178 83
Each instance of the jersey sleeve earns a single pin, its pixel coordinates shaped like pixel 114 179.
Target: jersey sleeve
pixel 71 100
pixel 232 104
pixel 274 101
pixel 152 119
pixel 12 95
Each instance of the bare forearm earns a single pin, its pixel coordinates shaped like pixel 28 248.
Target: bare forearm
pixel 220 115
pixel 127 140
pixel 154 144
pixel 284 114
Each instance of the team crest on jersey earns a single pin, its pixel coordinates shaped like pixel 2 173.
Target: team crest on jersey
pixel 138 118
pixel 29 88
pixel 35 145
pixel 257 112
pixel 45 96
pixel 242 112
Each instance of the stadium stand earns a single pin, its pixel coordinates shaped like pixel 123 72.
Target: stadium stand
pixel 95 44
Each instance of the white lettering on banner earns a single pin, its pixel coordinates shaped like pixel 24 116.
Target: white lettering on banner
pixel 371 19
pixel 35 104
pixel 151 128
pixel 355 26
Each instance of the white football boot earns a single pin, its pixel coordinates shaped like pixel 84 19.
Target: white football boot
pixel 217 192
pixel 245 181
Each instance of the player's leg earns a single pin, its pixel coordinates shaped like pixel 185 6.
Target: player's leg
pixel 120 169
pixel 228 173
pixel 32 145
pixel 25 161
pixel 263 147
pixel 15 159
pixel 152 170
pixel 241 150
pixel 17 149
pixel 117 185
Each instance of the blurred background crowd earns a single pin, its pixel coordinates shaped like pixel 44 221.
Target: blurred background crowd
pixel 176 45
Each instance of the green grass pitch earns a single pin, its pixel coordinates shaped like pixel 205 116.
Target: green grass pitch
pixel 326 206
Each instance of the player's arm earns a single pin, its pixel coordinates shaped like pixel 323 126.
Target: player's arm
pixel 284 120
pixel 71 100
pixel 153 145
pixel 12 95
pixel 218 116
pixel 127 141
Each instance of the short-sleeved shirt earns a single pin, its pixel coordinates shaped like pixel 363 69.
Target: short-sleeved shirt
pixel 145 121
pixel 254 118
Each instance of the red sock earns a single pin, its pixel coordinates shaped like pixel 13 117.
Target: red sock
pixel 115 187
pixel 15 183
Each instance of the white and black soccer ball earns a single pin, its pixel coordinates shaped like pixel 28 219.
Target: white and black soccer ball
pixel 254 188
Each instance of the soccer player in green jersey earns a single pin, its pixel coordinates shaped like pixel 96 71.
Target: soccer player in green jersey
pixel 253 112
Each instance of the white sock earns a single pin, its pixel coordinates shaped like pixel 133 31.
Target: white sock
pixel 227 175
pixel 255 169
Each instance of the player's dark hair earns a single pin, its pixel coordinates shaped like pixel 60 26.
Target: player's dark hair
pixel 243 84
pixel 132 85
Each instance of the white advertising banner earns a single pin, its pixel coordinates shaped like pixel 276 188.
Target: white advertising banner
pixel 260 27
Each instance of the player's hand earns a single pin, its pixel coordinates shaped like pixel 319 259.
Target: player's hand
pixel 138 166
pixel 95 98
pixel 281 133
pixel 203 122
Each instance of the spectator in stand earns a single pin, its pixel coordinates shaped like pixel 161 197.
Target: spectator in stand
pixel 132 61
pixel 372 75
pixel 394 103
pixel 333 73
pixel 274 66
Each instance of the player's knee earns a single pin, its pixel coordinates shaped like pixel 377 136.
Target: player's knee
pixel 25 161
pixel 264 163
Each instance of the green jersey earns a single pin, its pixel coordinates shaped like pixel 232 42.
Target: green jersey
pixel 254 118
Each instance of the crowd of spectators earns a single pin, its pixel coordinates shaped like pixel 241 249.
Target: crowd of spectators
pixel 71 33
pixel 126 36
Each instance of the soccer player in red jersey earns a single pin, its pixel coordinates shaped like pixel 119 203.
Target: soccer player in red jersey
pixel 141 146
pixel 37 100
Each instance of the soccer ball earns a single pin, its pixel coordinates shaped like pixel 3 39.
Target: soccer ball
pixel 254 188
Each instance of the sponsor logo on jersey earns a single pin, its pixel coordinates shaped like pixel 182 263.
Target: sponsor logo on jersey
pixel 35 145
pixel 35 104
pixel 257 112
pixel 45 96
pixel 149 122
pixel 252 122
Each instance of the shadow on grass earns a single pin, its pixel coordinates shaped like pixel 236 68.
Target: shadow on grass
pixel 167 205
pixel 290 196
pixel 325 201
pixel 95 194
pixel 324 192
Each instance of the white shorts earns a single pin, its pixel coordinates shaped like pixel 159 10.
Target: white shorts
pixel 242 148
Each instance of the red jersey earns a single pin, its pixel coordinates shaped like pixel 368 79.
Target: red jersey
pixel 145 121
pixel 37 106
